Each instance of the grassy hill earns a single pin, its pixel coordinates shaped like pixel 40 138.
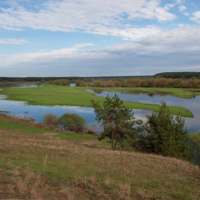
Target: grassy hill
pixel 37 163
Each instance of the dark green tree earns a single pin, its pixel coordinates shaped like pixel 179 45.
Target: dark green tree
pixel 194 142
pixel 167 135
pixel 72 122
pixel 117 121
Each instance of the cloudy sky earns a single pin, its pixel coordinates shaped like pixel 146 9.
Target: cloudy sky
pixel 98 37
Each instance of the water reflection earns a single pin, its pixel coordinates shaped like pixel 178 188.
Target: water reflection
pixel 191 104
pixel 72 84
pixel 20 109
pixel 26 86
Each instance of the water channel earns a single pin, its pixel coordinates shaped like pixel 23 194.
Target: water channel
pixel 23 110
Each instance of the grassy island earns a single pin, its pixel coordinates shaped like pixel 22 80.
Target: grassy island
pixel 75 96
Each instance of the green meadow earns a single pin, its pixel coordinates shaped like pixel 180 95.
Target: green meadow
pixel 76 96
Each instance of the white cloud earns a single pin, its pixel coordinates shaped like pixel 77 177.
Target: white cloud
pixel 107 17
pixel 180 1
pixel 196 17
pixel 128 33
pixel 186 14
pixel 182 8
pixel 171 50
pixel 41 56
pixel 12 41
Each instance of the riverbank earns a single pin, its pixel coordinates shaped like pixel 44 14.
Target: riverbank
pixel 176 92
pixel 75 96
pixel 37 164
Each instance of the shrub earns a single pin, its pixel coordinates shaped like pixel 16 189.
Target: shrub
pixel 72 122
pixel 61 82
pixel 97 84
pixel 38 83
pixel 2 85
pixel 50 119
pixel 78 82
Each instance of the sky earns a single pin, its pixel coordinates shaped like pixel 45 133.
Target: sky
pixel 98 37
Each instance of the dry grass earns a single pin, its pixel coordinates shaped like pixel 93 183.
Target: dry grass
pixel 21 186
pixel 90 173
pixel 142 193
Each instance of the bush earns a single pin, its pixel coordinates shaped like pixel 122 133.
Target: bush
pixel 166 136
pixel 72 122
pixel 38 83
pixel 50 119
pixel 78 82
pixel 2 85
pixel 61 82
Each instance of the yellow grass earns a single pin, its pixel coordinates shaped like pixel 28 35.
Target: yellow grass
pixel 38 165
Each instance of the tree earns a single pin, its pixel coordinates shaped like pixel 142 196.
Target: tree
pixel 194 142
pixel 72 122
pixel 50 119
pixel 166 135
pixel 118 122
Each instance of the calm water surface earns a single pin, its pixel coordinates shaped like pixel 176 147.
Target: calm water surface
pixel 22 110
pixel 193 105
pixel 26 86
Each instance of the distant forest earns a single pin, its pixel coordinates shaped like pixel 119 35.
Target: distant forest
pixel 173 75
pixel 71 79
pixel 177 75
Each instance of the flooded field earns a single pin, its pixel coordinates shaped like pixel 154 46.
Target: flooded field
pixel 22 110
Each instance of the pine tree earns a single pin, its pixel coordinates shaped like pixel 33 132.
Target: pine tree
pixel 117 121
pixel 168 136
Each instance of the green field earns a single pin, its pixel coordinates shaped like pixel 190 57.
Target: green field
pixel 76 96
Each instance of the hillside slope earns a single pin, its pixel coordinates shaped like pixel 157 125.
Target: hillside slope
pixel 39 164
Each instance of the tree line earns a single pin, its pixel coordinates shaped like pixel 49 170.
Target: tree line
pixel 60 82
pixel 72 79
pixel 34 79
pixel 178 75
pixel 143 82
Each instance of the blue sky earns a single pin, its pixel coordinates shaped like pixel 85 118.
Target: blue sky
pixel 98 38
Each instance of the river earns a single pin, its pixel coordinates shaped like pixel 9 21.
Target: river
pixel 23 110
